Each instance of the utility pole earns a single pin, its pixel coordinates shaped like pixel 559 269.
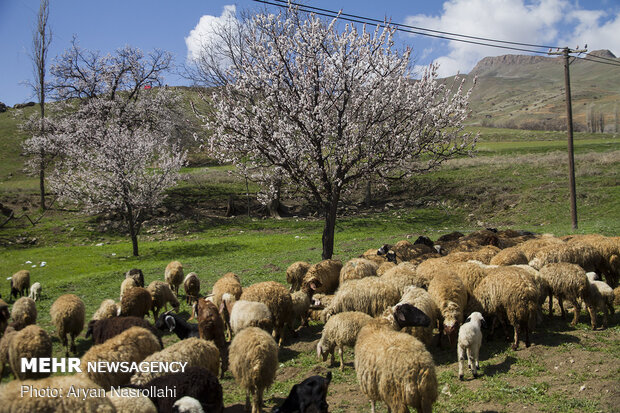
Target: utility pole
pixel 569 123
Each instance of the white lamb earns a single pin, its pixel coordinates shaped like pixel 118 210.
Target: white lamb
pixel 35 291
pixel 470 339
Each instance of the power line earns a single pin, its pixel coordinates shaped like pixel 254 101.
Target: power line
pixel 361 21
pixel 598 61
pixel 591 56
pixel 418 28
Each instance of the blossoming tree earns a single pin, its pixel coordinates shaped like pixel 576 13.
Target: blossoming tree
pixel 329 107
pixel 116 151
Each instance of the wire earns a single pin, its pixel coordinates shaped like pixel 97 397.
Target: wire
pixel 355 20
pixel 419 28
pixel 598 61
pixel 617 61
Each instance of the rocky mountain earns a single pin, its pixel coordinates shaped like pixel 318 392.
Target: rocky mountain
pixel 525 91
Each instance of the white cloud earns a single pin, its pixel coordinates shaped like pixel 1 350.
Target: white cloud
pixel 203 34
pixel 538 22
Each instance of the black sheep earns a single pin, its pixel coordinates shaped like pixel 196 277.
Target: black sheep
pixel 308 396
pixel 173 322
pixel 196 382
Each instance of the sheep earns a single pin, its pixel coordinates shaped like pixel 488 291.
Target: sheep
pixel 191 285
pixel 402 276
pixel 308 396
pixel 35 291
pixel 136 302
pixel 187 404
pixel 23 313
pixel 196 382
pixel 469 342
pixel 406 251
pixel 358 268
pixel 126 285
pixel 378 257
pixel 107 309
pixel 30 342
pixel 426 270
pixel 339 331
pixel 14 400
pixel 103 330
pixel 584 255
pixel 599 297
pixel 135 404
pixel 191 352
pixel 609 249
pixel 421 299
pixel 510 295
pixel 450 295
pixel 4 316
pixel 174 276
pixel 617 296
pixel 471 274
pixel 276 297
pixel 301 301
pixel 484 254
pixel 228 283
pixel 211 327
pixel 253 363
pixel 532 246
pixel 68 314
pixel 384 267
pixel 136 275
pixel 132 345
pixel 509 256
pixel 5 343
pixel 371 295
pixel 328 273
pixel 161 295
pixel 566 281
pixel 250 314
pixel 295 274
pixel 395 367
pixel 173 322
pixel 20 283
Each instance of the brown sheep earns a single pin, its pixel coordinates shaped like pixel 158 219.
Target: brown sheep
pixel 161 295
pixel 30 342
pixel 509 256
pixel 328 273
pixel 358 268
pixel 137 302
pixel 228 283
pixel 68 314
pixel 450 296
pixel 191 285
pixel 277 298
pixel 295 274
pixel 566 281
pixel 23 313
pixel 4 316
pixel 174 276
pixel 211 327
pixel 20 283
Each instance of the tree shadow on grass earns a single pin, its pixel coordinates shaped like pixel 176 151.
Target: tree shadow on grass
pixel 168 251
pixel 286 354
pixel 499 368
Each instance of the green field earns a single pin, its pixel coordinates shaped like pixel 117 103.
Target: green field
pixel 517 180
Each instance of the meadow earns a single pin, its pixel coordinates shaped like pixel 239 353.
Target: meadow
pixel 518 179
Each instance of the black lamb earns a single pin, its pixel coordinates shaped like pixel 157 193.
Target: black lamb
pixel 308 396
pixel 172 322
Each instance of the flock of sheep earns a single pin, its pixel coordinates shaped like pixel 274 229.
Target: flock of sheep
pixel 386 304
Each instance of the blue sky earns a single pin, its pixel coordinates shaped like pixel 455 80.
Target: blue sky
pixel 110 24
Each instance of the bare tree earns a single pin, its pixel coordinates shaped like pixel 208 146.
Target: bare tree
pixel 41 40
pixel 329 108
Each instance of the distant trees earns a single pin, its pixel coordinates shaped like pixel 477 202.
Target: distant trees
pixel 115 144
pixel 327 108
pixel 41 40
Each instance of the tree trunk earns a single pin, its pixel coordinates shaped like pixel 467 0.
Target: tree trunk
pixel 42 180
pixel 330 227
pixel 133 230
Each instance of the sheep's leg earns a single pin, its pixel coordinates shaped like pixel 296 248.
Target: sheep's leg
pixel 476 354
pixel 461 358
pixel 332 357
pixel 592 312
pixel 340 353
pixel 561 302
pixel 372 406
pixel 550 304
pixel 527 336
pixel 256 401
pixel 604 317
pixel 471 361
pixel 515 345
pixel 440 334
pixel 425 407
pixel 247 400
pixel 73 348
pixel 576 310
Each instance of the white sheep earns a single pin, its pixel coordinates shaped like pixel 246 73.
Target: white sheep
pixel 35 291
pixel 598 297
pixel 339 331
pixel 187 404
pixel 469 342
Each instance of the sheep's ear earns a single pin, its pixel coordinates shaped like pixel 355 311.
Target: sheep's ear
pixel 222 307
pixel 328 379
pixel 484 323
pixel 468 319
pixel 170 322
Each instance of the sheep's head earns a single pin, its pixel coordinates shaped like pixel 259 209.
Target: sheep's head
pixel 390 256
pixel 477 318
pixel 384 249
pixel 406 315
pixel 321 351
